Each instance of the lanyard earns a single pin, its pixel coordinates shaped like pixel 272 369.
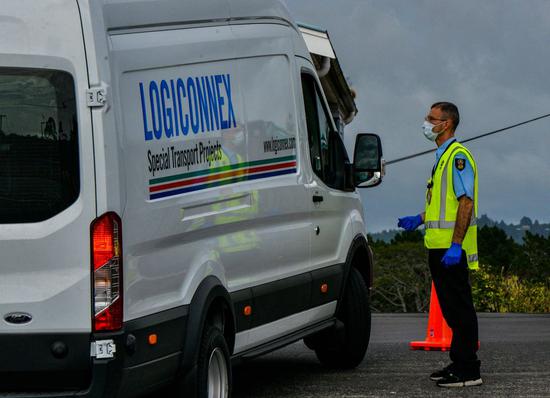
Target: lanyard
pixel 431 184
pixel 439 160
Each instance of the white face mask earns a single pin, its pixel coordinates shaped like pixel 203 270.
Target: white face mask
pixel 427 129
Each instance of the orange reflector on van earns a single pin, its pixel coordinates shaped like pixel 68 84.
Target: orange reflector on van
pixel 152 339
pixel 247 311
pixel 324 288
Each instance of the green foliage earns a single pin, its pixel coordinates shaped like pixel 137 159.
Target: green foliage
pixel 501 254
pixel 512 277
pixel 496 249
pixel 402 279
pixel 508 293
pixel 532 261
pixel 408 236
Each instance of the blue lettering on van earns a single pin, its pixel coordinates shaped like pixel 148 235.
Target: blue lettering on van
pixel 184 118
pixel 193 108
pixel 230 113
pixel 166 111
pixel 203 104
pixel 212 102
pixel 221 102
pixel 155 109
pixel 175 106
pixel 148 133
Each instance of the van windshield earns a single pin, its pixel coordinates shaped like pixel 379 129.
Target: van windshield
pixel 39 167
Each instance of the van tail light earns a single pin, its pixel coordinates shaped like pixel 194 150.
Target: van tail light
pixel 106 248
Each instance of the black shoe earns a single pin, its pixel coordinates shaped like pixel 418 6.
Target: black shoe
pixel 454 380
pixel 440 374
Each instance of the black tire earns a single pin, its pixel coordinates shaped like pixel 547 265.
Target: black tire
pixel 345 346
pixel 213 352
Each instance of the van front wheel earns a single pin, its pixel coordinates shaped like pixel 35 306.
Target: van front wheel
pixel 344 346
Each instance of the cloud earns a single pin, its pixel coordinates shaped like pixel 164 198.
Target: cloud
pixel 489 57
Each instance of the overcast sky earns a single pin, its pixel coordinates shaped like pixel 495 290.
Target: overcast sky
pixel 490 57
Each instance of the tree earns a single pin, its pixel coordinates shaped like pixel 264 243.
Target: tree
pixel 512 276
pixel 408 236
pixel 401 276
pixel 496 250
pixel 533 259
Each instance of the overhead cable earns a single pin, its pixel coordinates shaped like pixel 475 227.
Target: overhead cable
pixel 469 139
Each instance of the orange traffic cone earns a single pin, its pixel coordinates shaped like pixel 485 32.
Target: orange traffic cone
pixel 439 334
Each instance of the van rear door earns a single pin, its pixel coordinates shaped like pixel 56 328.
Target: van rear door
pixel 47 190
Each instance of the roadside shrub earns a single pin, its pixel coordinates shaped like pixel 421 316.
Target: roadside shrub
pixel 512 277
pixel 401 276
pixel 508 293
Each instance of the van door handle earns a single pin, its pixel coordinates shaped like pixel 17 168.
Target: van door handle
pixel 317 198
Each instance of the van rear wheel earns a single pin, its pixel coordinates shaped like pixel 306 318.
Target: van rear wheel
pixel 212 378
pixel 345 345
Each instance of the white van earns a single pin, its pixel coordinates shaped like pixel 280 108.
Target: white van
pixel 173 198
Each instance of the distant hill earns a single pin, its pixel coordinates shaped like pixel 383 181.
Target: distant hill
pixel 515 231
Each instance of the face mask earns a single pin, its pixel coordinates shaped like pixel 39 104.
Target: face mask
pixel 427 129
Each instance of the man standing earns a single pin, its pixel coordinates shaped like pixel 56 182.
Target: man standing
pixel 451 240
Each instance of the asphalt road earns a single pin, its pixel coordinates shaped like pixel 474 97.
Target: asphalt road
pixel 515 355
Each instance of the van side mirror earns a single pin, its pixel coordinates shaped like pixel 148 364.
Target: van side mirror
pixel 368 166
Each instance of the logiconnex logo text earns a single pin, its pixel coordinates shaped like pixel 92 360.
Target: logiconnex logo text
pixel 179 106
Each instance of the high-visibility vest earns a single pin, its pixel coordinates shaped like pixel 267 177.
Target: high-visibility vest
pixel 442 206
pixel 242 240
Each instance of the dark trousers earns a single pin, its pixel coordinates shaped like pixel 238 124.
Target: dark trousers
pixel 454 292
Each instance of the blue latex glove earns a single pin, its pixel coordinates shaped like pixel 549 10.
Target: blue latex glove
pixel 452 255
pixel 410 223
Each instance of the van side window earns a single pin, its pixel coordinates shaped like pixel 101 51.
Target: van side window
pixel 39 166
pixel 327 152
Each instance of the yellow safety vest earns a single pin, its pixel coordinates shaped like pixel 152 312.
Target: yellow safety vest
pixel 242 240
pixel 442 207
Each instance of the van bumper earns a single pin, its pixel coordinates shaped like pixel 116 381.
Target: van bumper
pixel 31 366
pixel 28 368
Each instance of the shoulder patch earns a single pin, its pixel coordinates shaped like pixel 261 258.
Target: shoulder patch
pixel 460 163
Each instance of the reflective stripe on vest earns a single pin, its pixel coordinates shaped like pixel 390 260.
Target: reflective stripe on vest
pixel 442 207
pixel 445 224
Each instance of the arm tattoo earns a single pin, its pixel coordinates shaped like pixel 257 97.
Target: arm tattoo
pixel 463 217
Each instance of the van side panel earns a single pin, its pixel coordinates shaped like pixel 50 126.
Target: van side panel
pixel 213 173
